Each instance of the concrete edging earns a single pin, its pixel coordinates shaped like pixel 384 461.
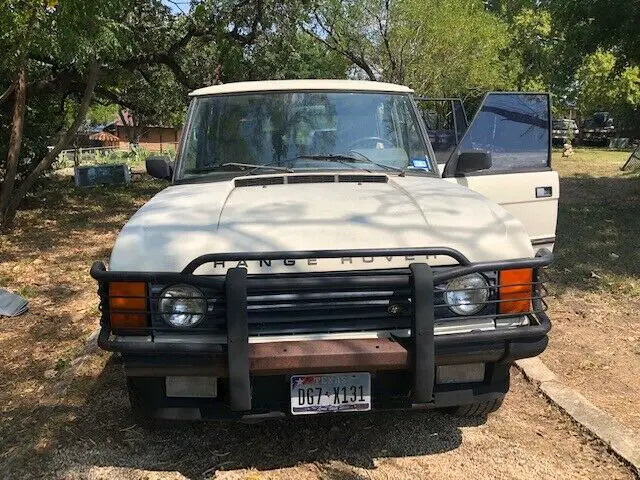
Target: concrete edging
pixel 621 440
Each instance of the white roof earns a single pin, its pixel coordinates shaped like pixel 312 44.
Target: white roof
pixel 275 85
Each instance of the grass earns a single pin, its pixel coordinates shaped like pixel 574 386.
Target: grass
pixel 27 291
pixel 59 231
pixel 598 235
pixel 596 277
pixel 590 161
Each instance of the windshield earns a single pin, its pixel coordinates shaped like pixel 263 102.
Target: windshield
pixel 303 131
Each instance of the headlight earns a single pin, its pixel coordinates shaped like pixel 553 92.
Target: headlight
pixel 182 305
pixel 467 295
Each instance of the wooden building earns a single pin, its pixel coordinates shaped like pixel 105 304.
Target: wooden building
pixel 154 138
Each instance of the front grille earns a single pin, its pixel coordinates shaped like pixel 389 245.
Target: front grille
pixel 332 302
pixel 312 303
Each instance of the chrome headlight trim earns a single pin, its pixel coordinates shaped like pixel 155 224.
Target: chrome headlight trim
pixel 182 305
pixel 467 295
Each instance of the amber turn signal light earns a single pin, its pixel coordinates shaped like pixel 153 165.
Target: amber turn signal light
pixel 515 292
pixel 126 299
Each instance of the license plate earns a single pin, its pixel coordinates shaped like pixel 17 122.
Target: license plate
pixel 339 392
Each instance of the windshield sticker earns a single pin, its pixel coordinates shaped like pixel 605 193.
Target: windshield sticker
pixel 418 163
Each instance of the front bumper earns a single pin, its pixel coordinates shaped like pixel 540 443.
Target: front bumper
pixel 244 366
pixel 324 356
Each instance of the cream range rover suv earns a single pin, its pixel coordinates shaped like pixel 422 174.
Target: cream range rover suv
pixel 311 256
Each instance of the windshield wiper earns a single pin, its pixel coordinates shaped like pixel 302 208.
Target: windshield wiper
pixel 344 158
pixel 381 165
pixel 254 167
pixel 237 166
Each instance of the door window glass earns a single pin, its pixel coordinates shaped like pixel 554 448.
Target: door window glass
pixel 514 128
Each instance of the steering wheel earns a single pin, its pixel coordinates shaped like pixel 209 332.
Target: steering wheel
pixel 357 143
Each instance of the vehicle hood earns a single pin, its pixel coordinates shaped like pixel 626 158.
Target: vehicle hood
pixel 185 221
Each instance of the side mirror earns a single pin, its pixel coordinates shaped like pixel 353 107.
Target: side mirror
pixel 472 161
pixel 159 167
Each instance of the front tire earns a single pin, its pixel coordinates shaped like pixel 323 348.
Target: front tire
pixel 477 409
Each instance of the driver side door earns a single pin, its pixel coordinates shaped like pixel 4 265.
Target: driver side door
pixel 515 128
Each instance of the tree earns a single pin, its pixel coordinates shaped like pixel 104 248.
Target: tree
pixel 602 87
pixel 534 45
pixel 438 47
pixel 138 55
pixel 354 28
pixel 449 47
pixel 39 39
pixel 589 25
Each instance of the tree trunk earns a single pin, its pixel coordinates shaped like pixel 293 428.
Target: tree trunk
pixel 49 158
pixel 15 143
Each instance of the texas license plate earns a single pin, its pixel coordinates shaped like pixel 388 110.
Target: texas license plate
pixel 339 392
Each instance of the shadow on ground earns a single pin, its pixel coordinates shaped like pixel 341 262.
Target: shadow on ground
pixel 102 433
pixel 48 216
pixel 598 232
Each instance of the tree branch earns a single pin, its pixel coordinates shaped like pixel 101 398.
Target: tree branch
pixel 170 62
pixel 357 59
pixel 49 158
pixel 7 93
pixel 114 98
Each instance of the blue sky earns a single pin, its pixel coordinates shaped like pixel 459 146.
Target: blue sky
pixel 177 5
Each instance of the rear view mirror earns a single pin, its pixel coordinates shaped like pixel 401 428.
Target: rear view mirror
pixel 159 167
pixel 472 161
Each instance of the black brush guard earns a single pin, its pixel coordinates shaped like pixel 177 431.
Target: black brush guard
pixel 419 277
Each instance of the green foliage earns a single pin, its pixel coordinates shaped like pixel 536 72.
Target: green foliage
pixel 436 46
pixel 533 41
pixel 100 114
pixel 449 47
pixel 151 57
pixel 602 87
pixel 59 40
pixel 589 25
pixel 134 158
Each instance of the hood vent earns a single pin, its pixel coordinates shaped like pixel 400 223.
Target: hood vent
pixel 293 179
pixel 363 178
pixel 257 181
pixel 311 179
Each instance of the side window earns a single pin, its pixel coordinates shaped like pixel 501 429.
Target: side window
pixel 446 122
pixel 514 128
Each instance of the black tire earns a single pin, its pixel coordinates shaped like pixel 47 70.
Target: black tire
pixel 477 409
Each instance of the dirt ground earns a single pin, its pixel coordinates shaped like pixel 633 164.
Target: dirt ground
pixel 92 436
pixel 87 431
pixel 595 340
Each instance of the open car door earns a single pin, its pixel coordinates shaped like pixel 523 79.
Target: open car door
pixel 515 129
